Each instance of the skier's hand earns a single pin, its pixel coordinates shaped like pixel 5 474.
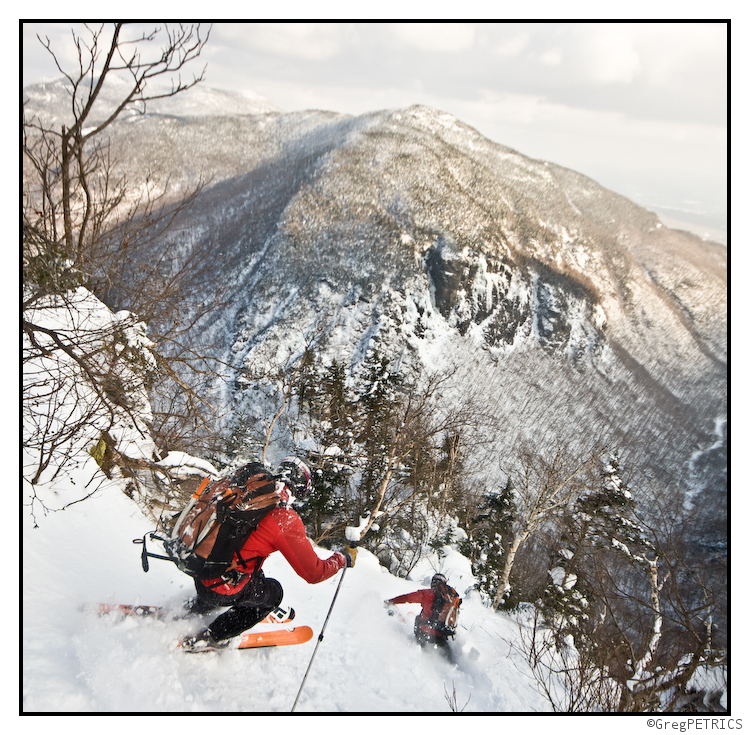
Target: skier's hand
pixel 350 554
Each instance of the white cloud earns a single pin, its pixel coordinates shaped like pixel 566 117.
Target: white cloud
pixel 512 46
pixel 301 40
pixel 553 57
pixel 612 54
pixel 675 51
pixel 661 53
pixel 451 37
pixel 534 110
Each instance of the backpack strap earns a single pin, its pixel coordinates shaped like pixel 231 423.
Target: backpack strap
pixel 241 562
pixel 438 603
pixel 236 572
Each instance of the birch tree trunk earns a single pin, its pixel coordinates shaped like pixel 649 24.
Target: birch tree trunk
pixel 381 491
pixel 504 585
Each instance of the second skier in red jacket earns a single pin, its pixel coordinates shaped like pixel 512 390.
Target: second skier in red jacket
pixel 439 615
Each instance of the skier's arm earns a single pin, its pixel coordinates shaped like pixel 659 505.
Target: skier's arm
pixel 293 543
pixel 417 597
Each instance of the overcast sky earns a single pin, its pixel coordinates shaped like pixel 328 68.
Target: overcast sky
pixel 641 108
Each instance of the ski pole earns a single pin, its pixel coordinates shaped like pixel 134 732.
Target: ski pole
pixel 320 638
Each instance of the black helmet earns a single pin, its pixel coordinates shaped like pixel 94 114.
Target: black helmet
pixel 438 579
pixel 295 474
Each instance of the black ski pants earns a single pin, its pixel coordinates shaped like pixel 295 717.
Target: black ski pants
pixel 429 640
pixel 426 638
pixel 248 607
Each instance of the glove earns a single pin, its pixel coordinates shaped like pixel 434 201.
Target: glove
pixel 350 554
pixel 348 551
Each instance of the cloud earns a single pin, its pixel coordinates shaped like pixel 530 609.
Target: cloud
pixel 512 46
pixel 553 57
pixel 313 41
pixel 38 64
pixel 449 37
pixel 675 53
pixel 536 111
pixel 659 54
pixel 612 55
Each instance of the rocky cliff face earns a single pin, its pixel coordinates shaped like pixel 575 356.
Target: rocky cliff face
pixel 574 312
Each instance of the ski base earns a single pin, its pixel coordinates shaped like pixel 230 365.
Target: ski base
pixel 136 611
pixel 275 636
pixel 253 639
pixel 277 615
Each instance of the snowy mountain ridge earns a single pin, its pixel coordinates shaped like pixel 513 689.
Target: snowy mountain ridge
pixel 578 311
pixel 404 225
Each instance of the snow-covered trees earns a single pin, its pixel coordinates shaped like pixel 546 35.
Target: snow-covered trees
pixel 600 522
pixel 88 230
pixel 596 640
pixel 491 538
pixel 544 487
pixel 382 447
pixel 86 374
pixel 380 404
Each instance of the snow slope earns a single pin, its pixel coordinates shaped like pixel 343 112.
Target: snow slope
pixel 76 662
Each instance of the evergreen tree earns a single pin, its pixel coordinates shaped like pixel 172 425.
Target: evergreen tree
pixel 331 407
pixel 491 538
pixel 308 380
pixel 601 524
pixel 609 512
pixel 242 442
pixel 324 509
pixel 333 400
pixel 378 401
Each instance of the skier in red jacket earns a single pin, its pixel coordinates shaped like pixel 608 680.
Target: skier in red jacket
pixel 248 593
pixel 438 617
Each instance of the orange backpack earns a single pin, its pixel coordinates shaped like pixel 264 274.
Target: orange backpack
pixel 444 615
pixel 217 521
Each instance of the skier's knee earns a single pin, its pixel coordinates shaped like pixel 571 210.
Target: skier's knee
pixel 275 593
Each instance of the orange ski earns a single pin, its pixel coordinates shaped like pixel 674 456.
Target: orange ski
pixel 278 637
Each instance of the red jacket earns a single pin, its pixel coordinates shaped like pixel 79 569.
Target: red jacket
pixel 281 530
pixel 425 598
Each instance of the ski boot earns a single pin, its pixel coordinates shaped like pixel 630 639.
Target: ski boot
pixel 203 642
